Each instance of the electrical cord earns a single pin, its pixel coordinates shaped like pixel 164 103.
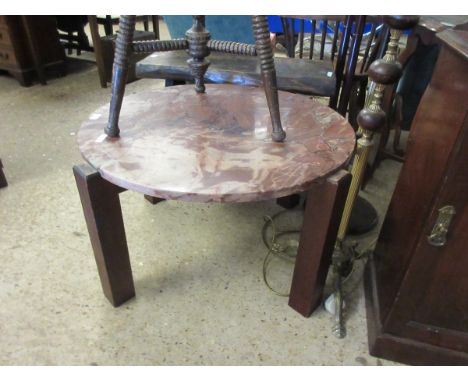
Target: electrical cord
pixel 275 250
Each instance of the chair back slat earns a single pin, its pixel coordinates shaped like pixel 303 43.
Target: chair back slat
pixel 288 31
pixel 312 39
pixel 348 46
pixel 324 36
pixel 351 66
pixel 335 39
pixel 380 46
pixel 368 46
pixel 341 59
pixel 301 38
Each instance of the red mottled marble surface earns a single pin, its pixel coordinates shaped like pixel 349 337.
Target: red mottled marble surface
pixel 176 144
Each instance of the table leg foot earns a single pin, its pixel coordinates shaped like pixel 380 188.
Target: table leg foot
pixel 3 181
pixel 289 202
pixel 322 217
pixel 153 199
pixel 101 207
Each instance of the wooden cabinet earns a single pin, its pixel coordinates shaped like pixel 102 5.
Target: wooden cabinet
pixel 28 45
pixel 417 291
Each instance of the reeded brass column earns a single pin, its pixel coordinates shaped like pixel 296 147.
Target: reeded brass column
pixel 382 72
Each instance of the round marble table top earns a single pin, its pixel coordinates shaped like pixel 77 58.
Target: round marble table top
pixel 176 144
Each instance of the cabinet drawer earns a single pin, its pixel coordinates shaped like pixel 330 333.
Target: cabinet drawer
pixel 7 57
pixel 4 36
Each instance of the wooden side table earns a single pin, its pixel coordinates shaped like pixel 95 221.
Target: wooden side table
pixel 215 147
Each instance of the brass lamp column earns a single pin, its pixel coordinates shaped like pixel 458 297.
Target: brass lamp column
pixel 382 72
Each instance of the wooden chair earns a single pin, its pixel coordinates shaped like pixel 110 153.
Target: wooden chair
pixel 299 76
pixel 73 35
pixel 212 143
pixel 340 40
pixel 104 45
pixel 108 22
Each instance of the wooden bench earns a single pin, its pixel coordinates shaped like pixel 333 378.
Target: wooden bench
pixel 312 77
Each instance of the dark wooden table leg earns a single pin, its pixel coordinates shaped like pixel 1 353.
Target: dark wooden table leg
pixel 101 207
pixel 153 199
pixel 97 46
pixel 3 181
pixel 325 202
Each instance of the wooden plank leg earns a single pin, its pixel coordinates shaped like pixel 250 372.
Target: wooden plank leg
pixel 101 207
pixel 322 215
pixel 153 199
pixel 3 181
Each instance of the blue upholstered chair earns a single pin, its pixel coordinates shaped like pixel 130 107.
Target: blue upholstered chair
pixel 226 28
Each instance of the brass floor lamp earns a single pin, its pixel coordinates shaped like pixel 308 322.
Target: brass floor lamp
pixel 382 72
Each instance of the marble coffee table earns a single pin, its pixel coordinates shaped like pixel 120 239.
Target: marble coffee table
pixel 215 147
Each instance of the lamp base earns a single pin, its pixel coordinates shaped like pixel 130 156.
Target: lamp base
pixel 363 218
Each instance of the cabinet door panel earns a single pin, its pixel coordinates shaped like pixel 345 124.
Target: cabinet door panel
pixel 435 291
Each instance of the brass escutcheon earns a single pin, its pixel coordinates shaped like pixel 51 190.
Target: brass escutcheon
pixel 438 236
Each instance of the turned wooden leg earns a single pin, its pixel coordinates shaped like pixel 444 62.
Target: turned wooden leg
pixel 3 181
pixel 119 72
pixel 101 207
pixel 267 66
pixel 153 199
pixel 322 215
